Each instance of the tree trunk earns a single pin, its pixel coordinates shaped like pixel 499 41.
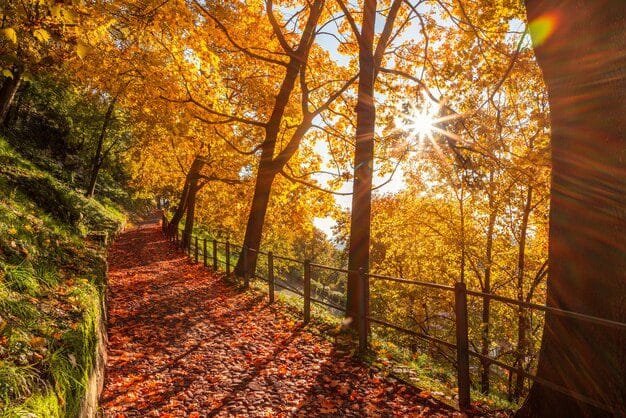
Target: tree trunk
pixel 584 67
pixel 97 161
pixel 13 114
pixel 256 219
pixel 268 167
pixel 172 226
pixel 360 229
pixel 8 90
pixel 266 173
pixel 191 209
pixel 486 308
pixel 522 322
pixel 194 171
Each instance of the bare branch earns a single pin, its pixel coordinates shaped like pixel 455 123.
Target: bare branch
pixel 385 36
pixel 312 185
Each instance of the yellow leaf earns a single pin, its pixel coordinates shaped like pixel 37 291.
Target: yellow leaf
pixel 10 34
pixel 55 11
pixel 82 49
pixel 42 35
pixel 9 74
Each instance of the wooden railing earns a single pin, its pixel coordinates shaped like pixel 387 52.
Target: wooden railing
pixel 460 295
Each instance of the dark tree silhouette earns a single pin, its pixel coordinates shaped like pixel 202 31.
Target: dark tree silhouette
pixel 583 60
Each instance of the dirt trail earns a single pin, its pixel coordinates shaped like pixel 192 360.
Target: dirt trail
pixel 182 342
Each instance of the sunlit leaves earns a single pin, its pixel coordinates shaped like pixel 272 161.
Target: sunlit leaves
pixel 10 34
pixel 82 49
pixel 41 35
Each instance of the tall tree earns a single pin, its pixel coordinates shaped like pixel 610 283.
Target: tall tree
pixel 580 49
pixel 268 168
pixel 273 156
pixel 370 59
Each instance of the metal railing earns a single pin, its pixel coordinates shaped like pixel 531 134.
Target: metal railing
pixel 459 292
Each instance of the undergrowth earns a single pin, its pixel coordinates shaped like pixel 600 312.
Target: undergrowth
pixel 51 289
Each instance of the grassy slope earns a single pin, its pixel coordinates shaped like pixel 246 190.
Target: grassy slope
pixel 51 289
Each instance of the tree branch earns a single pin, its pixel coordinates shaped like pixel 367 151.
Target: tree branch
pixel 234 43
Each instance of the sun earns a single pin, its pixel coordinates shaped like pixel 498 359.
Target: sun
pixel 421 123
pixel 423 120
pixel 418 121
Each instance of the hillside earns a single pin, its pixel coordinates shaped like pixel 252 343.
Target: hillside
pixel 51 288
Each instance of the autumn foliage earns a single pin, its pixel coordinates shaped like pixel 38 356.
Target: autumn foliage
pixel 400 138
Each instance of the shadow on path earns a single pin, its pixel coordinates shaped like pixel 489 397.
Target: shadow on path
pixel 182 342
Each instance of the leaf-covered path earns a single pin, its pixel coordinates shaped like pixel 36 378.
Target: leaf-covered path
pixel 182 342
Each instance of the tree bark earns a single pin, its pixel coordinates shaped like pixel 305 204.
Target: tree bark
pixel 8 90
pixel 486 308
pixel 181 208
pixel 194 172
pixel 522 320
pixel 584 67
pixel 266 173
pixel 268 167
pixel 191 209
pixel 360 228
pixel 13 114
pixel 98 159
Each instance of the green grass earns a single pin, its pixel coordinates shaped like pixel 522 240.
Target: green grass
pixel 51 289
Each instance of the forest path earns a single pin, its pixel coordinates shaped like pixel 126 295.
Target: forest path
pixel 183 342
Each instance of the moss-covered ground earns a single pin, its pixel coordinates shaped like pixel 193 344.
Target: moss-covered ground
pixel 52 280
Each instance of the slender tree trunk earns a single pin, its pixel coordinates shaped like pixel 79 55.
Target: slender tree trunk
pixel 97 161
pixel 462 232
pixel 191 212
pixel 14 111
pixel 584 66
pixel 181 208
pixel 486 308
pixel 360 228
pixel 194 171
pixel 522 321
pixel 8 90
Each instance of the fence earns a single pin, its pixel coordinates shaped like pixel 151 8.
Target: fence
pixel 365 320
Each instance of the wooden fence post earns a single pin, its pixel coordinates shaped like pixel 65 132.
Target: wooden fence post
pixel 270 275
pixel 214 255
pixel 246 274
pixel 307 291
pixel 196 249
pixel 462 345
pixel 362 310
pixel 204 252
pixel 228 258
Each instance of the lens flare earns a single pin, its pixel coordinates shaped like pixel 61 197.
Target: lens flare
pixel 542 28
pixel 424 119
pixel 418 121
